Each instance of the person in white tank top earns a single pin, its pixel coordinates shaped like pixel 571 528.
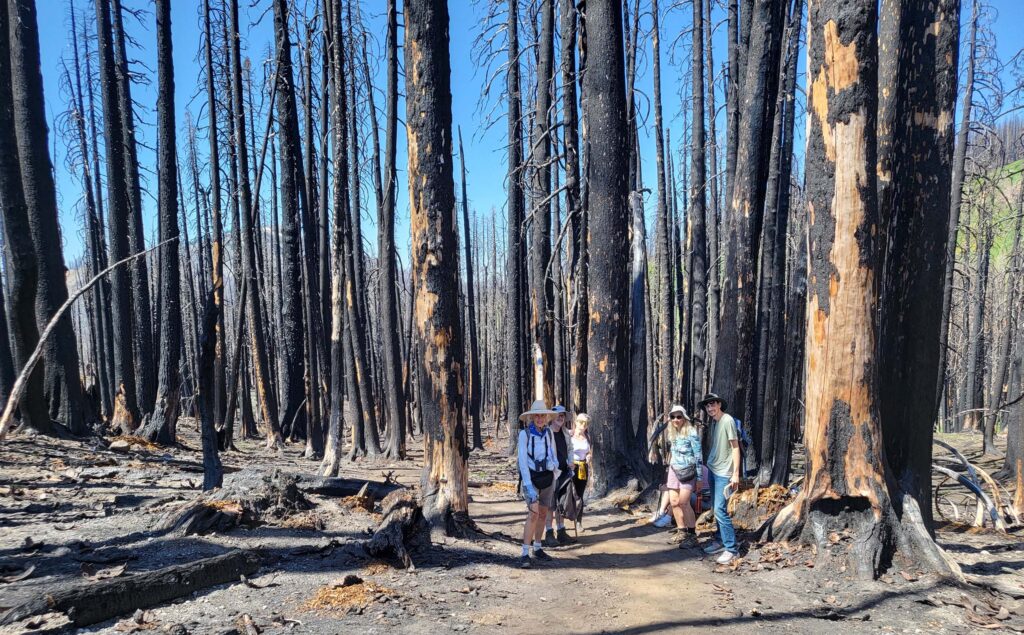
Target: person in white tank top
pixel 582 453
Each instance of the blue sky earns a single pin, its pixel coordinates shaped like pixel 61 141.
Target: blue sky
pixel 485 153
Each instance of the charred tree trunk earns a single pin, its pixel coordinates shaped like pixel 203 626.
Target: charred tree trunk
pixel 293 200
pixel 162 425
pixel 918 50
pixel 473 407
pixel 697 217
pixel 62 385
pixel 258 347
pixel 516 249
pixel 22 267
pixel 846 490
pixel 142 318
pixel 608 379
pixel 388 276
pixel 434 244
pixel 666 291
pixel 541 287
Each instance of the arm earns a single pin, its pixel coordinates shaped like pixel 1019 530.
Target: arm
pixel 524 464
pixel 735 444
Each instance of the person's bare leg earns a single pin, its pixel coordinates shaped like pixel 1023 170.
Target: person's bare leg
pixel 665 502
pixel 677 511
pixel 528 527
pixel 689 518
pixel 538 530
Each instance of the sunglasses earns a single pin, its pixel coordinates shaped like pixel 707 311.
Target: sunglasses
pixel 676 417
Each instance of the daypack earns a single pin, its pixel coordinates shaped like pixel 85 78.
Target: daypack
pixel 745 444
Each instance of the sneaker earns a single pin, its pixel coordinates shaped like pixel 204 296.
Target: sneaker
pixel 663 521
pixel 726 557
pixel 524 562
pixel 714 547
pixel 654 517
pixel 549 538
pixel 563 536
pixel 540 555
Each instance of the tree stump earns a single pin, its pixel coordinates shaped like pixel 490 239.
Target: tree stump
pixel 400 529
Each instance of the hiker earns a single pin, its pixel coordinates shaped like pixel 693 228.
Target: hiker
pixel 684 472
pixel 659 455
pixel 723 463
pixel 570 497
pixel 537 463
pixel 563 477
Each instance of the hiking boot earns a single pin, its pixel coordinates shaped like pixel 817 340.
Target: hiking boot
pixel 549 538
pixel 564 537
pixel 714 547
pixel 689 541
pixel 726 557
pixel 524 562
pixel 539 554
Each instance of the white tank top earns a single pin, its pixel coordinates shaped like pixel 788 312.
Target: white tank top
pixel 580 449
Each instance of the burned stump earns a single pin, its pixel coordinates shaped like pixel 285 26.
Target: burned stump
pixel 402 528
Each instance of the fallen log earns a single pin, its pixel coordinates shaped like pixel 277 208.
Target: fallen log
pixel 86 604
pixel 343 487
pixel 400 528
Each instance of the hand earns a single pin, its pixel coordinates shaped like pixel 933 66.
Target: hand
pixel 531 494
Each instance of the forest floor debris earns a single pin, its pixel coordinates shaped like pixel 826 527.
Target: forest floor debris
pixel 620 576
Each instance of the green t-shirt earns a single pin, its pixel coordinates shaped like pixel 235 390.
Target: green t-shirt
pixel 720 456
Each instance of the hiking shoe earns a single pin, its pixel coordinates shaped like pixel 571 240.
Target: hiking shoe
pixel 689 541
pixel 726 557
pixel 714 547
pixel 549 538
pixel 563 536
pixel 540 555
pixel 524 562
pixel 663 521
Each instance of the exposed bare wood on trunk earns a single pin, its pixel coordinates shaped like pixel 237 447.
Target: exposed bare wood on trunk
pixel 434 244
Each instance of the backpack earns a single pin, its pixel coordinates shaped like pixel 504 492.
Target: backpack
pixel 745 444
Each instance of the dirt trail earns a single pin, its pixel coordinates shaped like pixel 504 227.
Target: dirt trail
pixel 618 577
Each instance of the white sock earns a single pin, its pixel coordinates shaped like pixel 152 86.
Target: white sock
pixel 536 545
pixel 526 550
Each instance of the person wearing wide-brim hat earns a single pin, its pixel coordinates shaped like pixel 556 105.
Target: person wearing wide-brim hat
pixel 723 472
pixel 557 535
pixel 537 463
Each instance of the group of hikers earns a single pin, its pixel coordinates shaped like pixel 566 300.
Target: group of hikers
pixel 555 463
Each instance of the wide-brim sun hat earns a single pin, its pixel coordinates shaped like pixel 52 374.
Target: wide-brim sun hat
pixel 539 408
pixel 560 410
pixel 708 398
pixel 681 410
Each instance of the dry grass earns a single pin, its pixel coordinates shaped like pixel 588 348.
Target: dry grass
pixel 376 567
pixel 339 598
pixel 312 520
pixel 502 487
pixel 225 506
pixel 149 445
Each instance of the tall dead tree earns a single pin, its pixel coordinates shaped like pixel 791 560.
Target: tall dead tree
pixel 608 377
pixel 541 286
pixel 126 409
pixel 388 276
pixel 293 201
pixel 254 326
pixel 62 385
pixel 22 268
pixel 665 290
pixel 514 306
pixel 846 488
pixel 697 217
pixel 162 425
pixel 444 483
pixel 142 317
pixel 473 407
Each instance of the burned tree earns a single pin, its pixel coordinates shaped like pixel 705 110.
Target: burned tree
pixel 847 490
pixel 162 424
pixel 434 265
pixel 62 384
pixel 608 365
pixel 515 356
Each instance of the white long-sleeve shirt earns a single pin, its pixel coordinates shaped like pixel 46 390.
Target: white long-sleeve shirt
pixel 538 458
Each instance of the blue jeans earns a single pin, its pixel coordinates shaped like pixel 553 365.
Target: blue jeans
pixel 721 505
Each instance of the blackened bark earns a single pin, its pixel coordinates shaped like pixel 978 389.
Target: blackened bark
pixel 162 425
pixel 142 318
pixel 697 217
pixel 473 407
pixel 22 268
pixel 258 347
pixel 388 277
pixel 515 254
pixel 434 242
pixel 217 243
pixel 608 383
pixel 126 408
pixel 293 200
pixel 666 291
pixel 62 384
